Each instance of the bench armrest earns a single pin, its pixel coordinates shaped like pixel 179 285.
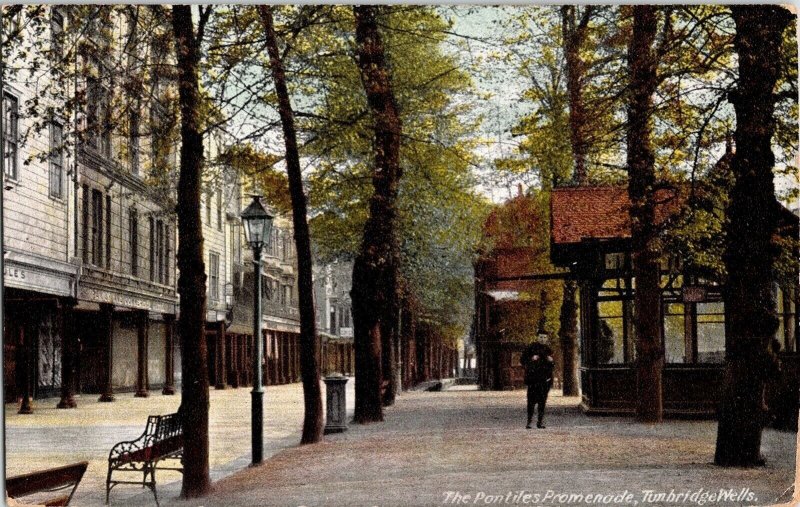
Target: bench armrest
pixel 128 448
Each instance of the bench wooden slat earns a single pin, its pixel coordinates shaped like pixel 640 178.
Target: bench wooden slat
pixel 52 479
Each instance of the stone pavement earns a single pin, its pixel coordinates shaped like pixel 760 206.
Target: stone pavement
pixel 456 442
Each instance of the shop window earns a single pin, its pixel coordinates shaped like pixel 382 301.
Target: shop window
pixel 710 332
pixel 674 333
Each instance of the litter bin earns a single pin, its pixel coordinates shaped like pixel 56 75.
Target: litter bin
pixel 336 405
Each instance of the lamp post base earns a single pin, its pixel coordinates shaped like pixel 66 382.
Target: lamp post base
pixel 257 423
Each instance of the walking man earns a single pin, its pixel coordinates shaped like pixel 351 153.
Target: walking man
pixel 538 363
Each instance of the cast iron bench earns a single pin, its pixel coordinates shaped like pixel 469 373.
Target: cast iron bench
pixel 162 440
pixel 47 481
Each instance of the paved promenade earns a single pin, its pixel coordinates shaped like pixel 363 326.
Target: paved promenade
pixel 437 448
pixel 51 437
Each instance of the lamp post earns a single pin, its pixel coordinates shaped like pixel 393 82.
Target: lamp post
pixel 257 228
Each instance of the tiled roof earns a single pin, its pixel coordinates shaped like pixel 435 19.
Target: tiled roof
pixel 580 213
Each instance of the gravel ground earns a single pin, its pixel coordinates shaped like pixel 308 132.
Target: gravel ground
pixel 467 447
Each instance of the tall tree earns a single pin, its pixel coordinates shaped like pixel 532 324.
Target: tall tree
pixel 644 238
pixel 309 361
pixel 375 267
pixel 752 222
pixel 573 36
pixel 573 33
pixel 192 280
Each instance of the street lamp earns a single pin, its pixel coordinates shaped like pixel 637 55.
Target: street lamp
pixel 257 227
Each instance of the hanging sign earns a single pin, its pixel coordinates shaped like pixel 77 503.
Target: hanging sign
pixel 694 293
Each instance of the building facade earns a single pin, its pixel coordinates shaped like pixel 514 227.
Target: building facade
pixel 591 235
pixel 90 230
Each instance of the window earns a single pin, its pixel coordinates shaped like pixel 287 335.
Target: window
pixel 108 232
pixel 333 329
pixel 159 140
pixel 160 250
pixel 56 35
pixel 56 160
pixel 213 276
pixel 85 225
pixel 266 287
pixel 209 196
pixel 10 134
pixel 133 141
pixel 711 332
pixel 236 243
pixel 614 344
pixel 152 227
pixel 167 253
pixel 97 228
pixel 98 113
pixel 133 231
pixel 219 209
pixel 675 333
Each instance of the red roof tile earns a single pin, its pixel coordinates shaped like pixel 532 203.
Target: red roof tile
pixel 580 213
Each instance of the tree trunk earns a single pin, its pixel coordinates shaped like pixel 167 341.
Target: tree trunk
pixel 568 333
pixel 374 271
pixel 573 38
pixel 388 362
pixel 752 221
pixel 309 362
pixel 192 280
pixel 641 189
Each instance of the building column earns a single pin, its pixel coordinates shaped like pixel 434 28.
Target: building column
pixel 68 352
pixel 297 373
pixel 264 337
pixel 143 331
pixel 221 376
pixel 323 358
pixel 270 355
pixel 352 354
pixel 279 377
pixel 250 345
pixel 234 371
pixel 169 358
pixel 107 320
pixel 293 356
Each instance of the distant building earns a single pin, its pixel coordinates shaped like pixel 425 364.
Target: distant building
pixel 332 284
